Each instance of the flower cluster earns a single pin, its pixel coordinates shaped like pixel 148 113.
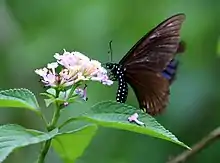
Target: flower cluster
pixel 76 67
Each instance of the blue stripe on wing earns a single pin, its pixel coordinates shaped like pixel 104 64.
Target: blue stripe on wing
pixel 170 72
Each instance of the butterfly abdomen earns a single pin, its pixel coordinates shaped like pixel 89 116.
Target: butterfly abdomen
pixel 122 91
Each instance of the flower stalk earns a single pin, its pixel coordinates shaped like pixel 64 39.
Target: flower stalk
pixel 50 127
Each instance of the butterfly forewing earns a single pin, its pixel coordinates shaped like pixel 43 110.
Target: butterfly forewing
pixel 156 49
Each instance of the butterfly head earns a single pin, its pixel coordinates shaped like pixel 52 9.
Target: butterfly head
pixel 115 70
pixel 110 66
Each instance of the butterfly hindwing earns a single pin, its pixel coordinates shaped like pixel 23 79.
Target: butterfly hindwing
pixel 170 71
pixel 151 90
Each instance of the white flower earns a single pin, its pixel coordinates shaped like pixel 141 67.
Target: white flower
pixel 102 76
pixel 81 56
pixel 42 72
pixel 48 75
pixel 76 67
pixel 52 66
pixel 96 64
pixel 67 59
pixel 134 118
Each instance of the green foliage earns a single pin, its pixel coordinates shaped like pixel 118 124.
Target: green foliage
pixel 51 96
pixel 15 136
pixel 115 115
pixel 71 145
pixel 19 98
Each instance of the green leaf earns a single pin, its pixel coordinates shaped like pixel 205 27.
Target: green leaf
pixel 48 102
pixel 20 98
pixel 15 136
pixel 51 91
pixel 71 145
pixel 115 115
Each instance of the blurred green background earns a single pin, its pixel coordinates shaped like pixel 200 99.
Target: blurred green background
pixel 31 31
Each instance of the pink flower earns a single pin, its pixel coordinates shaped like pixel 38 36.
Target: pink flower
pixel 76 67
pixel 49 77
pixel 101 76
pixel 134 118
pixel 67 59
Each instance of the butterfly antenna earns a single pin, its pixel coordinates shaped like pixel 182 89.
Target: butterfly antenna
pixel 110 51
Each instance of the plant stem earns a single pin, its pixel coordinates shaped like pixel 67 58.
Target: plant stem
pixel 44 151
pixel 72 90
pixel 207 140
pixel 50 127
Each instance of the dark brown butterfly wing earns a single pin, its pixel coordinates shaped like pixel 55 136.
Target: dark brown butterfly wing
pixel 181 47
pixel 171 70
pixel 144 63
pixel 158 47
pixel 151 89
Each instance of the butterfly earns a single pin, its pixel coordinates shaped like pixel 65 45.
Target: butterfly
pixel 149 67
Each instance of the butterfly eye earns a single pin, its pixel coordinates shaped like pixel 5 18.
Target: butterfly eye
pixel 109 65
